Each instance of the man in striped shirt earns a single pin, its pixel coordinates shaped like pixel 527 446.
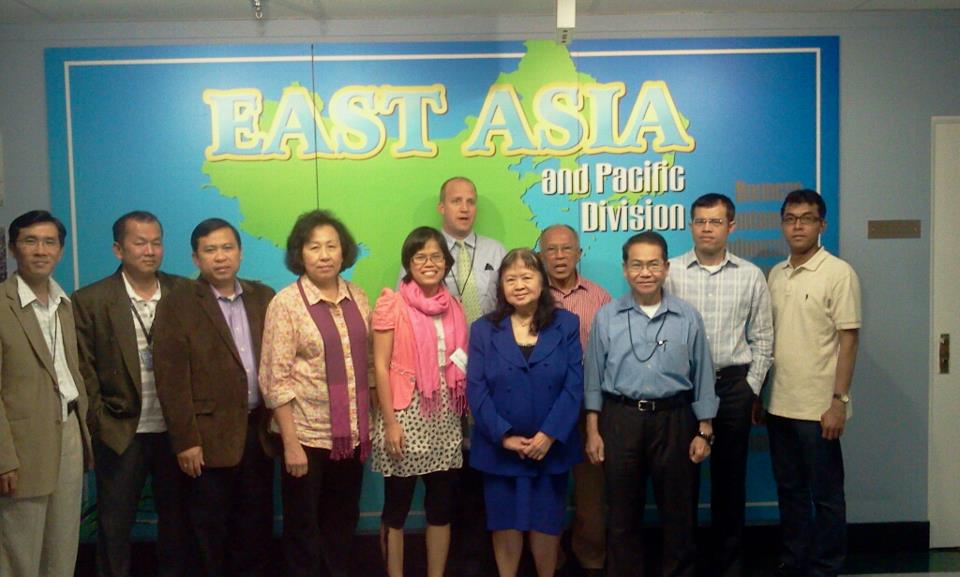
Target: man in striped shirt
pixel 731 295
pixel 560 251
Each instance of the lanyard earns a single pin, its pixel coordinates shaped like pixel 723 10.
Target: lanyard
pixel 657 342
pixel 473 256
pixel 56 335
pixel 147 334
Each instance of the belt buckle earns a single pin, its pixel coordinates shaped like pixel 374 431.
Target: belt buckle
pixel 644 405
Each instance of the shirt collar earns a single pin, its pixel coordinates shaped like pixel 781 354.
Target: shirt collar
pixel 237 292
pixel 688 259
pixel 133 294
pixel 314 295
pixel 669 303
pixel 27 296
pixel 580 285
pixel 470 241
pixel 813 263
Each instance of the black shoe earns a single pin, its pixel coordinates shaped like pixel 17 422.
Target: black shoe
pixel 783 570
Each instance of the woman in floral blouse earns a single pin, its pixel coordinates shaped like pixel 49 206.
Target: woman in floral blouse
pixel 315 375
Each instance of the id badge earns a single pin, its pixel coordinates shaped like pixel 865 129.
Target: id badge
pixel 146 359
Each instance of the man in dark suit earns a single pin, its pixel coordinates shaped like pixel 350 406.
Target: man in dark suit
pixel 207 351
pixel 115 319
pixel 43 439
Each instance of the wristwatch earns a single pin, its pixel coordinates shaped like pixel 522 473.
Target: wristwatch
pixel 708 438
pixel 844 398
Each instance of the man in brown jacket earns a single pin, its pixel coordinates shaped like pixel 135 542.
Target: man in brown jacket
pixel 115 317
pixel 207 351
pixel 43 439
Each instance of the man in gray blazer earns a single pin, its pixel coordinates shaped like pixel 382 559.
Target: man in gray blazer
pixel 115 331
pixel 44 442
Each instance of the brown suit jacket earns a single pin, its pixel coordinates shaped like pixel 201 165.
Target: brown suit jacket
pixel 109 358
pixel 201 381
pixel 30 412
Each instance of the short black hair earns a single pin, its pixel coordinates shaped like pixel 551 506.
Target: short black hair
pixel 546 305
pixel 712 199
pixel 120 225
pixel 300 234
pixel 208 226
pixel 805 196
pixel 416 240
pixel 31 218
pixel 645 237
pixel 443 187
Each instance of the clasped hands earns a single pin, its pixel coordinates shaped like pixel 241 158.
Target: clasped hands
pixel 535 447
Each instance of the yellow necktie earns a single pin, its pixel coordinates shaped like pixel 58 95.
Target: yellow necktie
pixel 466 283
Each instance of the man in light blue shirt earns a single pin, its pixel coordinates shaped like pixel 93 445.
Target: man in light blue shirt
pixel 649 396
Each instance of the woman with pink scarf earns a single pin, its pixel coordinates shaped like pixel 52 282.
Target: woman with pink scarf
pixel 419 351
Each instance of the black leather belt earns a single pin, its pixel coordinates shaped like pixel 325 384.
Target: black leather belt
pixel 732 372
pixel 651 405
pixel 72 407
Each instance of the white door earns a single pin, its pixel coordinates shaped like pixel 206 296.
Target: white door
pixel 944 466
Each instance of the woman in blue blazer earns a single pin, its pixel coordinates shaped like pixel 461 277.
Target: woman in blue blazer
pixel 525 387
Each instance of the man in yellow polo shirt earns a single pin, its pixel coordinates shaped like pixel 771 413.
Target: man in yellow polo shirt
pixel 816 316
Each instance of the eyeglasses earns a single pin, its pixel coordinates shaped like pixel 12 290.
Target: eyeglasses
pixel 421 259
pixel 653 266
pixel 34 242
pixel 702 222
pixel 805 220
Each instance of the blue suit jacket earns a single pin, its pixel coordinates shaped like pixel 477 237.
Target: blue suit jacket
pixel 509 394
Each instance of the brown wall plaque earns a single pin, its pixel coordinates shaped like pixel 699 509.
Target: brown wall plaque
pixel 893 229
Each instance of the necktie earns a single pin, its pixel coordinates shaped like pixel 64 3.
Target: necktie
pixel 466 283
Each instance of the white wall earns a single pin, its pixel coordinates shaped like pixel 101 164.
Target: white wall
pixel 896 71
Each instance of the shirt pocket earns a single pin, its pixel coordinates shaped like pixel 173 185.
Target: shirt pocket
pixel 675 359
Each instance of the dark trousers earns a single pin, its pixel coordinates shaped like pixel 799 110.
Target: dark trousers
pixel 437 502
pixel 809 473
pixel 231 512
pixel 320 513
pixel 120 482
pixel 728 475
pixel 471 550
pixel 638 445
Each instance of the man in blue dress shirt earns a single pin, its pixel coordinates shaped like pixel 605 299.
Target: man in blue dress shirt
pixel 649 396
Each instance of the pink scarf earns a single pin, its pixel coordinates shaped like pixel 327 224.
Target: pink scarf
pixel 420 309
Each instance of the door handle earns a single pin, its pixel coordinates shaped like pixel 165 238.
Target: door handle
pixel 945 353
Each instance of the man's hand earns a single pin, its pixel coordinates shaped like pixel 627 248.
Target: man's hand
pixel 594 448
pixel 191 461
pixel 8 483
pixel 758 416
pixel 538 446
pixel 699 449
pixel 833 420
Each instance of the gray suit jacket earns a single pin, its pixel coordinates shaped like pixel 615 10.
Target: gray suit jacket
pixel 30 417
pixel 109 358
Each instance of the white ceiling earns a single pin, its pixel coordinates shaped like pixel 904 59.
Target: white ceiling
pixel 59 11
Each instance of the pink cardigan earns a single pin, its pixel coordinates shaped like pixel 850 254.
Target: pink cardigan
pixel 390 314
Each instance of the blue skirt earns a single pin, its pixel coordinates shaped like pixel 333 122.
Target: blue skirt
pixel 526 503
